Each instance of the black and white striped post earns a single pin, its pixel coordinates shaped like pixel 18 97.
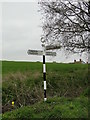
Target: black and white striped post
pixel 44 71
pixel 44 53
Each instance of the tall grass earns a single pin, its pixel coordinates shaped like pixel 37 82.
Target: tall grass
pixel 23 82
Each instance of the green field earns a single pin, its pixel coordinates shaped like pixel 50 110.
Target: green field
pixel 67 90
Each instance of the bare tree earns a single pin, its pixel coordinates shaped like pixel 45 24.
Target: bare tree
pixel 66 22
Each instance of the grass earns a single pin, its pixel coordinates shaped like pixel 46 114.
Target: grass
pixel 67 84
pixel 53 108
pixel 11 66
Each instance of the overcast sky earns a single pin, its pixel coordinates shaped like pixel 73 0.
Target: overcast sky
pixel 21 30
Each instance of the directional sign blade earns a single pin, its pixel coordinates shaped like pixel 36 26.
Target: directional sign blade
pixel 39 52
pixel 35 52
pixel 51 53
pixel 51 47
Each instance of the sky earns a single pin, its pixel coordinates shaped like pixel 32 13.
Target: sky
pixel 21 30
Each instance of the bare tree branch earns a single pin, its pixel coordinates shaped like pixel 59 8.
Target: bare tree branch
pixel 67 22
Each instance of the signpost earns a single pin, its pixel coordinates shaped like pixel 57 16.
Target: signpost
pixel 40 52
pixel 52 47
pixel 44 52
